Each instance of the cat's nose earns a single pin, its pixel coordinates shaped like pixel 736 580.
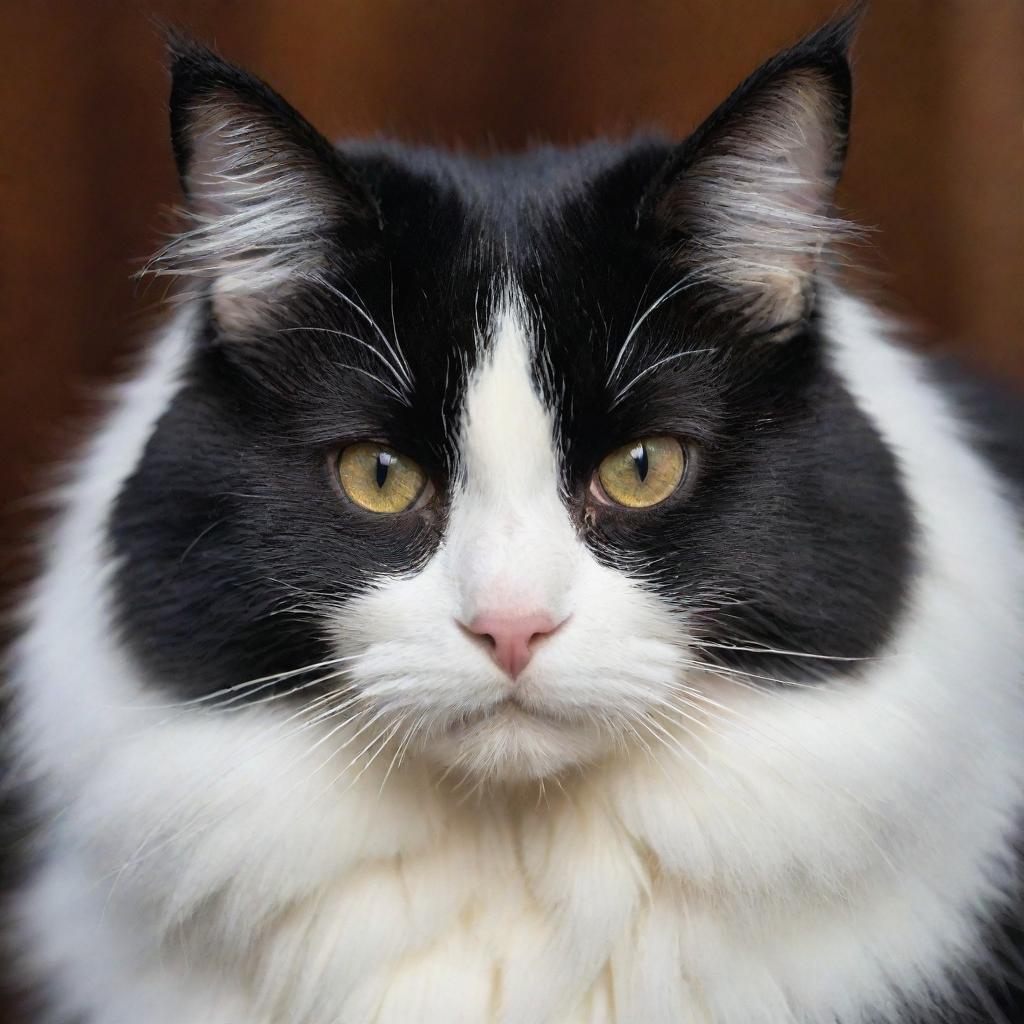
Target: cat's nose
pixel 511 638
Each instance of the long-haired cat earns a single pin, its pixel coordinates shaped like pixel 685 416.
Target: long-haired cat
pixel 527 590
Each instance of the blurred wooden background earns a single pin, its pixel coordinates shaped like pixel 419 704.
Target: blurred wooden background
pixel 936 164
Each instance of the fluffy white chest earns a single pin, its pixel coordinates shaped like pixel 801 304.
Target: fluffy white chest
pixel 281 896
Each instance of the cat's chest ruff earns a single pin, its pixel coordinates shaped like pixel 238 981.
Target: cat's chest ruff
pixel 508 914
pixel 560 912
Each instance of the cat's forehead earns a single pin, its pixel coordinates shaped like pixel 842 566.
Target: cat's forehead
pixel 508 187
pixel 524 245
pixel 502 292
pixel 506 429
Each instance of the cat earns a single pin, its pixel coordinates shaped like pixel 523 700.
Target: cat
pixel 528 589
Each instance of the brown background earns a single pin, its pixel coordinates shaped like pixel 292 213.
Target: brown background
pixel 936 164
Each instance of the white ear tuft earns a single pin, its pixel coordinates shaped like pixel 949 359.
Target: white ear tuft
pixel 266 193
pixel 748 200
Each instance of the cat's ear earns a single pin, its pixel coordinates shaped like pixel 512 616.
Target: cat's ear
pixel 267 195
pixel 745 205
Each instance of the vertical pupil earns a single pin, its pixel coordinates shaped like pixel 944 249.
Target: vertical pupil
pixel 639 455
pixel 384 460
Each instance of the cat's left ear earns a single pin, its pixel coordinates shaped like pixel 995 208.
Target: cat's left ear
pixel 268 197
pixel 744 207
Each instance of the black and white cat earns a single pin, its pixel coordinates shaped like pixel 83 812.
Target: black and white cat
pixel 526 589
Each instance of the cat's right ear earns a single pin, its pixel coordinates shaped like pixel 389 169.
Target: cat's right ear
pixel 745 205
pixel 268 197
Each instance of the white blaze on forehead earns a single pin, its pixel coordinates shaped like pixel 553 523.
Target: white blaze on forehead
pixel 508 434
pixel 511 543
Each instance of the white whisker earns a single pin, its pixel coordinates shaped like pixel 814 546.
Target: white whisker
pixel 669 293
pixel 650 369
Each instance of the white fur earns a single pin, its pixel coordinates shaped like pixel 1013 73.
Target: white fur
pixel 781 857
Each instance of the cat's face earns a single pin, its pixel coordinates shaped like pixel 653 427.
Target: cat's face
pixel 514 457
pixel 526 642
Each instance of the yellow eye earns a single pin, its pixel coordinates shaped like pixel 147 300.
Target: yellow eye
pixel 642 473
pixel 378 479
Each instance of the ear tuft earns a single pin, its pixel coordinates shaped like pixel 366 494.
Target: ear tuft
pixel 266 192
pixel 746 203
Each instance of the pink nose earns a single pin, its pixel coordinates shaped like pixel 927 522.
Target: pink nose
pixel 511 637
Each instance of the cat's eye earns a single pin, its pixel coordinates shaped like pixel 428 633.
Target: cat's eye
pixel 640 474
pixel 380 479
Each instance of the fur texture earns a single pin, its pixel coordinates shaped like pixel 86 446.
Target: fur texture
pixel 767 768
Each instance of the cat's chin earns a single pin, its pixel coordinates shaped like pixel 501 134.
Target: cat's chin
pixel 510 744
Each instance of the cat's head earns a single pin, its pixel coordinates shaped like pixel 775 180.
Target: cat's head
pixel 516 452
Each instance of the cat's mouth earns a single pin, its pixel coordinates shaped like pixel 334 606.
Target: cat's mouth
pixel 511 708
pixel 514 739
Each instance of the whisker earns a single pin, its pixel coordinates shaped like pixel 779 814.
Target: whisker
pixel 669 293
pixel 388 731
pixel 402 382
pixel 650 369
pixel 401 749
pixel 724 670
pixel 398 395
pixel 251 686
pixel 763 649
pixel 361 310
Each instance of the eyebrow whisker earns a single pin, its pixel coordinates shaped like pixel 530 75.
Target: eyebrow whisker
pixel 402 382
pixel 667 359
pixel 669 293
pixel 393 348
